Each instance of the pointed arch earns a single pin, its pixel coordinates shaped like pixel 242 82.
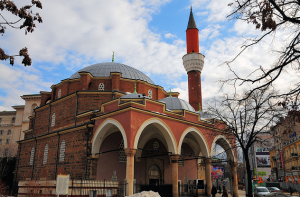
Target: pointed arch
pixel 102 130
pixel 225 145
pixel 165 131
pixel 200 139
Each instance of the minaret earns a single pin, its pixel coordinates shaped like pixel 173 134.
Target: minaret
pixel 193 63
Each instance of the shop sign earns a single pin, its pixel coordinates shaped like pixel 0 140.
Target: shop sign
pixel 262 173
pixel 281 159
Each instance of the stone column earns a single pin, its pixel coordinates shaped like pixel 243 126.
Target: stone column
pixel 207 162
pixel 130 152
pixel 234 178
pixel 174 164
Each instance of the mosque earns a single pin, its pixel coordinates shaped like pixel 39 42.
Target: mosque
pixel 111 120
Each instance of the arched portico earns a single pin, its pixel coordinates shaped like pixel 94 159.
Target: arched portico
pixel 199 138
pixel 164 130
pixel 107 127
pixel 222 141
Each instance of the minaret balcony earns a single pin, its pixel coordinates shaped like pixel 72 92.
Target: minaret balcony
pixel 193 61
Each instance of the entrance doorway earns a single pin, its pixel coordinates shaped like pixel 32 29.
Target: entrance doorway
pixel 154 175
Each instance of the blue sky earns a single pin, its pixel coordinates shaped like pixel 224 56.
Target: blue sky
pixel 148 35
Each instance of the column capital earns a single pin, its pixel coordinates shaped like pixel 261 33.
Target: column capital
pixel 130 151
pixel 174 158
pixel 207 160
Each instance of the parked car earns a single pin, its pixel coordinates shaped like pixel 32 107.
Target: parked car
pixel 261 191
pixel 277 194
pixel 274 189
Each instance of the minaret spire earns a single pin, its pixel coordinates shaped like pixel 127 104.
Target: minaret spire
pixel 193 63
pixel 192 23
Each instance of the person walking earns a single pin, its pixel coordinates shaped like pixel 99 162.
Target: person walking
pixel 291 190
pixel 220 188
pixel 225 192
pixel 213 191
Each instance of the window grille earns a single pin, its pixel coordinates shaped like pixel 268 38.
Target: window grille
pixel 62 151
pixel 45 154
pixel 13 120
pixel 122 154
pixel 31 156
pixel 101 87
pixel 8 132
pixel 180 159
pixel 155 145
pixel 0 141
pixel 6 152
pixel 53 120
pixel 7 141
pixel 59 93
pixel 1 132
pixel 150 93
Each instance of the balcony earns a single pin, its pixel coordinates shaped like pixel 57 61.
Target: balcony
pixel 294 155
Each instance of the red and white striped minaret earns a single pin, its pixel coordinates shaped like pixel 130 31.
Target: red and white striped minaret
pixel 193 63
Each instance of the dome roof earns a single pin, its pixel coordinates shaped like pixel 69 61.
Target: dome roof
pixel 174 103
pixel 133 95
pixel 104 70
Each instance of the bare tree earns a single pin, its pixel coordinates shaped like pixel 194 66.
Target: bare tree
pixel 270 16
pixel 25 19
pixel 246 120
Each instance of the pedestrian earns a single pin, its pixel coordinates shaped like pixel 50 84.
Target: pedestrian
pixel 220 188
pixel 225 193
pixel 213 191
pixel 291 190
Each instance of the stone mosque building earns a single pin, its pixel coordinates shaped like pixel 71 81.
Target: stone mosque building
pixel 110 119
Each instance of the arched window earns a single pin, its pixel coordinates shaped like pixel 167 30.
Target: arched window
pixel 13 120
pixel 101 87
pixel 59 93
pixel 150 93
pixel 122 155
pixel 53 120
pixel 31 156
pixel 45 154
pixel 62 151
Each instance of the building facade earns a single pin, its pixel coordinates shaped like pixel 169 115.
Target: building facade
pixel 110 119
pixel 285 160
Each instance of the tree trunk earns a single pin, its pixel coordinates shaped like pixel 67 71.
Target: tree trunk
pixel 248 170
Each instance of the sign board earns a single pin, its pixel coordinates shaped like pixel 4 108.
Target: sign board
pixel 217 172
pixel 263 160
pixel 281 159
pixel 261 173
pixel 263 149
pixel 62 184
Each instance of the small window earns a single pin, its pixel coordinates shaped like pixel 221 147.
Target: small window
pixel 62 151
pixel 59 93
pixel 101 86
pixel 13 120
pixel 122 155
pixel 150 93
pixel 45 154
pixel 0 120
pixel 31 156
pixel 7 141
pixel 1 132
pixel 53 120
pixel 8 132
pixel 6 152
pixel 0 141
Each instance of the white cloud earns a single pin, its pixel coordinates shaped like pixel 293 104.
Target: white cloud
pixel 169 35
pixel 209 32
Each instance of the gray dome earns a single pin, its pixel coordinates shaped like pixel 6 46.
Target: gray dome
pixel 133 95
pixel 174 103
pixel 104 70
